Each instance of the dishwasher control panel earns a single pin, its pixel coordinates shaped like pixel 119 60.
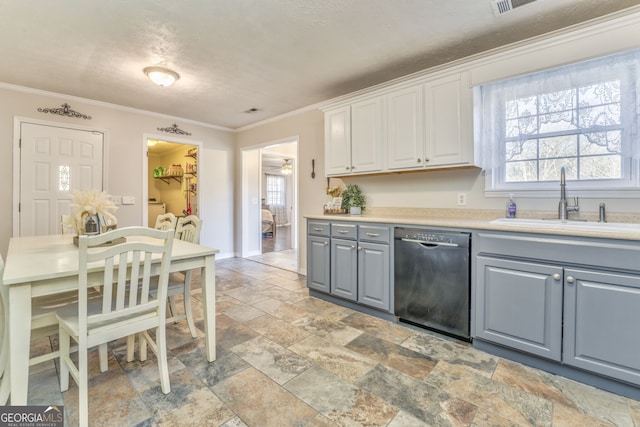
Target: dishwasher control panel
pixel 432 236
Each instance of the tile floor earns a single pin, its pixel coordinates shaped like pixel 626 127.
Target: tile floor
pixel 286 359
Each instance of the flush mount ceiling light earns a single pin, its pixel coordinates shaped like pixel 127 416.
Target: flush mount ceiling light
pixel 287 168
pixel 161 76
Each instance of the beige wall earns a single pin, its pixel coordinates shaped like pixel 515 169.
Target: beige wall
pixel 124 130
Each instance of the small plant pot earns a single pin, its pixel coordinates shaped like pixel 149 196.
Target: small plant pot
pixel 355 210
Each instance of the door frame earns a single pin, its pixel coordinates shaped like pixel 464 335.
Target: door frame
pixel 251 220
pixel 145 170
pixel 17 127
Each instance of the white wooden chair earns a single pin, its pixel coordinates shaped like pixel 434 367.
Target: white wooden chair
pixel 44 323
pixel 166 222
pixel 126 307
pixel 188 229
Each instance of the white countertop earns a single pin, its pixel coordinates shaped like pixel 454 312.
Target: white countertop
pixel 458 219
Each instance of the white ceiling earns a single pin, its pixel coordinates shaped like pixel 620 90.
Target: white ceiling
pixel 233 55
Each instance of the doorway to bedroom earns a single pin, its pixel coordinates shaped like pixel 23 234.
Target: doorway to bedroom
pixel 270 196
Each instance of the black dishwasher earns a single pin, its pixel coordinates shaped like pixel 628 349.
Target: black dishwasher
pixel 432 279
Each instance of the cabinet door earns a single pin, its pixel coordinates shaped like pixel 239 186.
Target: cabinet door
pixel 448 126
pixel 601 323
pixel 344 269
pixel 373 275
pixel 519 305
pixel 318 259
pixel 366 136
pixel 405 128
pixel 337 143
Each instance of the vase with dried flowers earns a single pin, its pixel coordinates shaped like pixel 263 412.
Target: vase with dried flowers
pixel 91 212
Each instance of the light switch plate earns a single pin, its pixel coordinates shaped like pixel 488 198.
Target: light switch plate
pixel 117 200
pixel 128 200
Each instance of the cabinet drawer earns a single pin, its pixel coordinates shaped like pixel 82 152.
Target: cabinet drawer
pixel 372 233
pixel 343 231
pixel 318 228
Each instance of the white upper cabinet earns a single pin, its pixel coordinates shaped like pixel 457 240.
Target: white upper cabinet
pixel 428 125
pixel 337 144
pixel 367 136
pixel 448 121
pixel 405 128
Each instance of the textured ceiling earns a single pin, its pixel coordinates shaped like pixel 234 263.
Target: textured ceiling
pixel 273 55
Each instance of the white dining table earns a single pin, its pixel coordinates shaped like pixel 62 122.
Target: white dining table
pixel 46 265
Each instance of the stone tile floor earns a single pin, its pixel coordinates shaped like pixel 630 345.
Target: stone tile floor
pixel 286 359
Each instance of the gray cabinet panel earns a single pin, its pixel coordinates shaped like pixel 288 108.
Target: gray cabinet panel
pixel 319 228
pixel 344 271
pixel 373 275
pixel 602 318
pixel 318 263
pixel 372 233
pixel 519 304
pixel 344 231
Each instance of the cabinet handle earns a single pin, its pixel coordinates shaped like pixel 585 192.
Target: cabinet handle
pixel 426 159
pixel 318 229
pixel 556 276
pixel 570 279
pixel 353 247
pixel 373 234
pixel 359 248
pixel 343 231
pixel 419 160
pixel 326 243
pixel 346 167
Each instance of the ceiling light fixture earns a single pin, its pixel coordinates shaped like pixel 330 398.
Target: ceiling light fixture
pixel 161 76
pixel 287 168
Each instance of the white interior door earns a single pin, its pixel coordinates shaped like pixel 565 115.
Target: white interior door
pixel 54 162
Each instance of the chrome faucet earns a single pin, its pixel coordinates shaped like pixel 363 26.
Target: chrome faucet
pixel 563 206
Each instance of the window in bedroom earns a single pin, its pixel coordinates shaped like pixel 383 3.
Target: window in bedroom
pixel 582 117
pixel 276 190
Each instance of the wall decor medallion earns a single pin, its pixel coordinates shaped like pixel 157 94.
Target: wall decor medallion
pixel 175 130
pixel 65 110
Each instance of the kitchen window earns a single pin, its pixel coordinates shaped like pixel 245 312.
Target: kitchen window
pixel 582 116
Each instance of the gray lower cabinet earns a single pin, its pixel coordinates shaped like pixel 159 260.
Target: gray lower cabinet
pixel 318 256
pixel 353 264
pixel 530 295
pixel 344 269
pixel 373 275
pixel 519 304
pixel 601 323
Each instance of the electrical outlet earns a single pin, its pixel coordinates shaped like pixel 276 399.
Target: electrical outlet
pixel 117 200
pixel 462 199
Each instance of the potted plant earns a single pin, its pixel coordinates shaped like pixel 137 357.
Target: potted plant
pixel 353 200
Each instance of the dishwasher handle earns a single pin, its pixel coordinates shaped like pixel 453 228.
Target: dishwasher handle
pixel 422 242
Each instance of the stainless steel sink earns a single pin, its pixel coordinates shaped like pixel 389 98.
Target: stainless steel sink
pixel 558 224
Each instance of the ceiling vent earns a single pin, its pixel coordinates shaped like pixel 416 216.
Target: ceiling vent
pixel 500 7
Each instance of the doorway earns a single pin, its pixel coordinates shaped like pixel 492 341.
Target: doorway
pixel 172 178
pixel 271 232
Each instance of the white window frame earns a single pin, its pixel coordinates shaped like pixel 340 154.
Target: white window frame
pixel 492 97
pixel 280 182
